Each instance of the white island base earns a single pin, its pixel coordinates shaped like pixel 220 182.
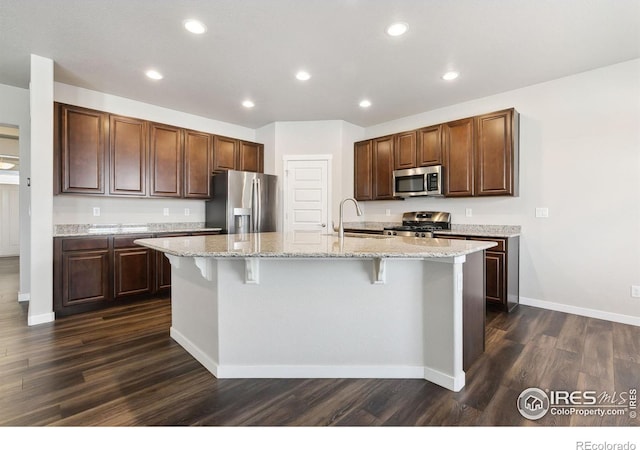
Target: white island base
pixel 322 317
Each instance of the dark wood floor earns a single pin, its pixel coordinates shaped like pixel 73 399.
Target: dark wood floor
pixel 120 368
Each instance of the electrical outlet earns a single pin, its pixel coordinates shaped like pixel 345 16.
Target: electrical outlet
pixel 187 212
pixel 387 212
pixel 542 213
pixel 165 211
pixel 468 212
pixel 96 211
pixel 635 291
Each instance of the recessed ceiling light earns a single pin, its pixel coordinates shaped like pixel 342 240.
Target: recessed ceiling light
pixel 195 26
pixel 154 74
pixel 303 75
pixel 365 104
pixel 450 76
pixel 397 29
pixel 248 104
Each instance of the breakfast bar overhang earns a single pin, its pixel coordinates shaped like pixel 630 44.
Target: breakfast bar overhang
pixel 311 305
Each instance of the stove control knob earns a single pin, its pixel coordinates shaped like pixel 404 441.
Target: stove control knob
pixel 422 235
pixel 395 233
pixel 417 234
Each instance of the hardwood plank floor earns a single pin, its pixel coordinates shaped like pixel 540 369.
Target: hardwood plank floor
pixel 119 367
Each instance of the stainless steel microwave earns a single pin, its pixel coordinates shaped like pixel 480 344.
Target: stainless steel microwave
pixel 420 181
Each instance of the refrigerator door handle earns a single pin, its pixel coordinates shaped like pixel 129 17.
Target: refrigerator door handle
pixel 259 205
pixel 255 205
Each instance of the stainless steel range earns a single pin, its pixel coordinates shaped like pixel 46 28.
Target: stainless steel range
pixel 421 224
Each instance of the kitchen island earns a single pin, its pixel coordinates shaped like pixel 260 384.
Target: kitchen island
pixel 310 305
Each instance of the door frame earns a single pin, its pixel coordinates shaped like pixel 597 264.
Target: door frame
pixel 285 194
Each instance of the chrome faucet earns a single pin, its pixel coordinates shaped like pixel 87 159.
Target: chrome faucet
pixel 341 226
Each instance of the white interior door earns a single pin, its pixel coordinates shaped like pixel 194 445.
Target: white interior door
pixel 307 193
pixel 9 220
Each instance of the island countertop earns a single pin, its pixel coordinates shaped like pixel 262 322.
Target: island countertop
pixel 308 244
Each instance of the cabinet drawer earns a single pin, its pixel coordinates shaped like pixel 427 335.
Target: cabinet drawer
pixel 127 241
pixel 98 243
pixel 502 243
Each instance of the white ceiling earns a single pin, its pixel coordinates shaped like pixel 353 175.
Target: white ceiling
pixel 254 47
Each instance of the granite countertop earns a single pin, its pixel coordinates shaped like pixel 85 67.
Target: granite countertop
pixel 71 230
pixel 312 245
pixel 498 231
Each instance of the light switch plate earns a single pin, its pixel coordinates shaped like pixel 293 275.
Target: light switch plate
pixel 468 212
pixel 635 291
pixel 187 212
pixel 542 213
pixel 96 211
pixel 165 211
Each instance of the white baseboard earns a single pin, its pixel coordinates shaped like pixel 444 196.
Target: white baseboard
pixel 24 297
pixel 454 384
pixel 41 318
pixel 587 312
pixel 303 371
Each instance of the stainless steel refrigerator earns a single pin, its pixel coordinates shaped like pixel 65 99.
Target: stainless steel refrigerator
pixel 242 202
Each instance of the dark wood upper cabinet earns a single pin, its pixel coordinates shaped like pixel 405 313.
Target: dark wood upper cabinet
pixel 429 151
pixel 105 154
pixel 405 150
pixel 197 164
pixel 225 153
pixel 458 158
pixel 363 170
pixel 251 157
pixel 80 144
pixel 165 160
pixel 383 168
pixel 128 156
pixel 497 153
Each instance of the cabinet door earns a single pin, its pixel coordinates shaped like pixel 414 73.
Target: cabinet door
pixel 383 168
pixel 132 271
pixel 458 158
pixel 495 154
pixel 165 155
pixel 82 149
pixel 495 283
pixel 163 267
pixel 225 154
pixel 85 277
pixel 128 156
pixel 405 150
pixel 197 164
pixel 363 170
pixel 251 157
pixel 429 152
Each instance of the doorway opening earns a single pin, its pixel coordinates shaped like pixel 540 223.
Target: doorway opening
pixel 9 193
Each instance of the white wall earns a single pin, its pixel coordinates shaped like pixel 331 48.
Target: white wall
pixel 580 157
pixel 325 137
pixel 14 110
pixel 79 209
pixel 41 102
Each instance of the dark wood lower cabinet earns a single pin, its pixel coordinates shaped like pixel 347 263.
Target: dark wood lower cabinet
pixel 502 268
pixel 132 267
pixel 92 273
